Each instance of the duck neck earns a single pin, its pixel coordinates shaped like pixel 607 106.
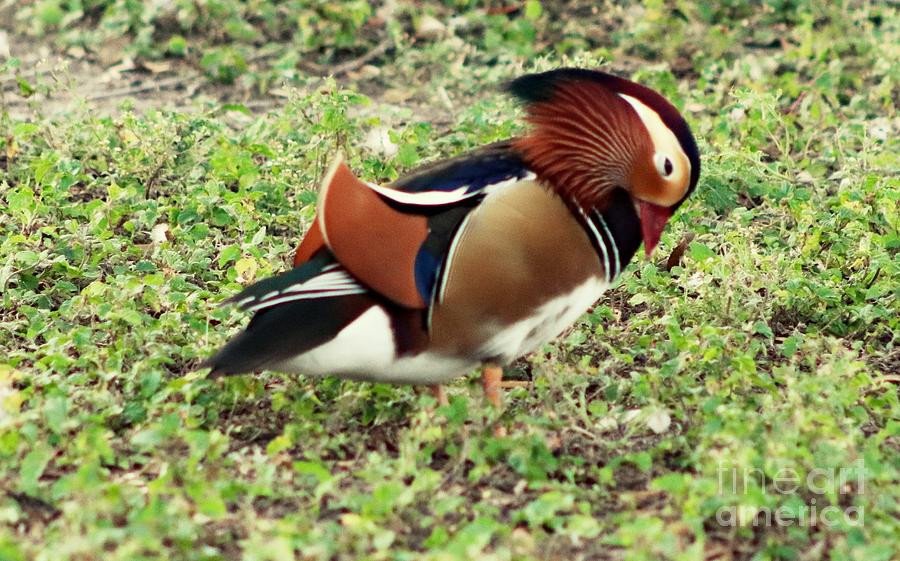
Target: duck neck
pixel 615 232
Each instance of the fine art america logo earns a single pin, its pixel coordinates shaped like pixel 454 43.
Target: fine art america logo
pixel 816 494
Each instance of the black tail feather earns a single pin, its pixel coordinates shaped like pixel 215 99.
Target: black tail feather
pixel 277 334
pixel 286 329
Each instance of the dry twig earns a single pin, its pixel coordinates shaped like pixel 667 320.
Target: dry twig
pixel 352 64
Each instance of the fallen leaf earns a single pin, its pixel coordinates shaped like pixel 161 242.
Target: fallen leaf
pixel 606 424
pixel 4 45
pixel 520 487
pixel 396 95
pixel 429 27
pixel 630 415
pixel 12 148
pixel 112 51
pixel 157 67
pixel 127 65
pixel 378 140
pixel 369 71
pixel 522 541
pixel 76 51
pixel 805 177
pixel 160 233
pixel 677 254
pixel 659 421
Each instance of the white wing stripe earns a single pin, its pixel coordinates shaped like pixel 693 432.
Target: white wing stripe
pixel 304 296
pixel 427 198
pixel 336 282
pixel 334 279
pixel 317 286
pixel 438 198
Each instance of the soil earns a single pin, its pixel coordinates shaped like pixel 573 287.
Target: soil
pixel 106 79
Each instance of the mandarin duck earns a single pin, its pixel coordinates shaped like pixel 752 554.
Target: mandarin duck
pixel 479 259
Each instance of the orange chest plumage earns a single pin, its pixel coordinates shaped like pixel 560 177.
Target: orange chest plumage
pixel 501 295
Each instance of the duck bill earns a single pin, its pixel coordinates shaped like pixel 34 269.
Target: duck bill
pixel 653 221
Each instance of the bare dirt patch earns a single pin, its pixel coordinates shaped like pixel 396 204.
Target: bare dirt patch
pixel 51 81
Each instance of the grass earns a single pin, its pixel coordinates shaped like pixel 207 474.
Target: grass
pixel 756 376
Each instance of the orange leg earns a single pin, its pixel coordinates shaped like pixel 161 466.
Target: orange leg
pixel 491 381
pixel 491 377
pixel 438 393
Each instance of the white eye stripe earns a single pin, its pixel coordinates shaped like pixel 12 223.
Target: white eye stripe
pixel 663 138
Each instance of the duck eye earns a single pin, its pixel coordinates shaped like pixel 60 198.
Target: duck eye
pixel 663 165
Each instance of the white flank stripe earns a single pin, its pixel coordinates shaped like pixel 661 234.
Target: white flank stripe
pixel 615 248
pixel 445 270
pixel 602 245
pixel 451 251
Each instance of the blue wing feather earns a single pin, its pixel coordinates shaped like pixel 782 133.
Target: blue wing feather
pixel 459 184
pixel 475 171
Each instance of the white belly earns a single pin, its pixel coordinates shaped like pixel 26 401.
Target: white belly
pixel 365 350
pixel 548 321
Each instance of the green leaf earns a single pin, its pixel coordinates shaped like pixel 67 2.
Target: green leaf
pixel 25 89
pixel 533 9
pixel 20 199
pixel 177 45
pixel 55 409
pixel 314 469
pixel 33 466
pixel 671 482
pixel 643 460
pixel 407 155
pixel 762 328
pixel 259 236
pixel 229 254
pixel 700 252
pixel 27 258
